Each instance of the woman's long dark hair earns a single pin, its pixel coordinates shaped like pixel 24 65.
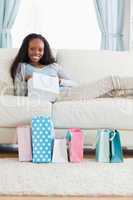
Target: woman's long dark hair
pixel 22 55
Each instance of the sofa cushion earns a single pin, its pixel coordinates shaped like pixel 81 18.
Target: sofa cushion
pixel 6 88
pixel 16 110
pixel 87 91
pixel 95 113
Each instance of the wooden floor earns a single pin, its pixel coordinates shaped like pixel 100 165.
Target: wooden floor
pixel 63 198
pixel 6 197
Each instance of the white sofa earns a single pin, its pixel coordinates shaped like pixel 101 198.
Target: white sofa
pixel 83 66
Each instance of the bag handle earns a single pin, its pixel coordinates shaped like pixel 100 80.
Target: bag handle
pixel 68 136
pixel 111 138
pixel 115 132
pixel 111 131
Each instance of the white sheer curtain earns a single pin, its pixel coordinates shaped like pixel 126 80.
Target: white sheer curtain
pixel 65 24
pixel 8 12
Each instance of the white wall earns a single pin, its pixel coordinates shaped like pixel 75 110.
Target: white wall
pixel 73 24
pixel 65 23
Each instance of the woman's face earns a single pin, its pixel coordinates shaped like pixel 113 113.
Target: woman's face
pixel 35 50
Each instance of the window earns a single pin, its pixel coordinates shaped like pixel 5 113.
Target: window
pixel 68 24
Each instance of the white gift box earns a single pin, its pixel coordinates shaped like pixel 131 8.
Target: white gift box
pixel 60 151
pixel 43 87
pixel 46 83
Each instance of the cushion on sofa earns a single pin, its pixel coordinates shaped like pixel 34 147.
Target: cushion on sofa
pixel 95 113
pixel 6 88
pixel 109 86
pixel 87 91
pixel 16 110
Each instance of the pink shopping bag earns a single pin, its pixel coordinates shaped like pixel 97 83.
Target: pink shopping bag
pixel 75 144
pixel 24 143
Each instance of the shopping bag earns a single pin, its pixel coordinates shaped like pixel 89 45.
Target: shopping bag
pixel 103 145
pixel 75 144
pixel 60 151
pixel 116 153
pixel 24 143
pixel 43 87
pixel 42 139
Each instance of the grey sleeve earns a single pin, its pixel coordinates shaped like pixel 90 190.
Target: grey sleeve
pixel 61 73
pixel 66 80
pixel 20 85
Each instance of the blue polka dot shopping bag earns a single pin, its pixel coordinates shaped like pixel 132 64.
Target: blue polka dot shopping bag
pixel 42 139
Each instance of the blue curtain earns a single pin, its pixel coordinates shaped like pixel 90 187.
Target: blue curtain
pixel 8 12
pixel 110 15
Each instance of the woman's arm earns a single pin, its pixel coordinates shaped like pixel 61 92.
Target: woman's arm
pixel 65 79
pixel 20 82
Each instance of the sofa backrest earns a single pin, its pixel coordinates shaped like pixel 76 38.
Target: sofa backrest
pixel 6 58
pixel 82 65
pixel 89 65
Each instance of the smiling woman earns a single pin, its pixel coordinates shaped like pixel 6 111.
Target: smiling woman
pixel 66 24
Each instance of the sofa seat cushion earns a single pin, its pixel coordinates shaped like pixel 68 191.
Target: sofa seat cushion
pixel 16 110
pixel 95 113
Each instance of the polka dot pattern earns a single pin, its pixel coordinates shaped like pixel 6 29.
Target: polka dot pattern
pixel 42 139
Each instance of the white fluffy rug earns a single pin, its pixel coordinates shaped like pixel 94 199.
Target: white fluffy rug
pixel 85 178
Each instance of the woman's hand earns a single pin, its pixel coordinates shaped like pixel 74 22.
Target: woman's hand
pixel 27 78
